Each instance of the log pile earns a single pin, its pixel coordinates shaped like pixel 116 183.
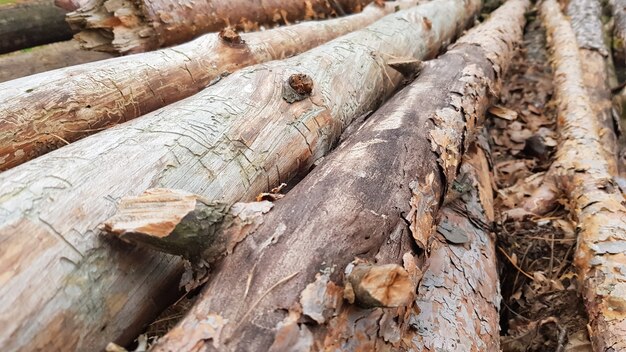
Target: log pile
pixel 342 181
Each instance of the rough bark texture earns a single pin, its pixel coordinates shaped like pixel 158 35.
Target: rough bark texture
pixel 618 9
pixel 127 27
pixel 47 111
pixel 45 58
pixel 458 303
pixel 24 24
pixel 282 284
pixel 586 20
pixel 582 171
pixel 230 142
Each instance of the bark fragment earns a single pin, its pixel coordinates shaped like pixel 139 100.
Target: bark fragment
pixel 124 26
pixel 228 143
pixel 582 171
pixel 355 205
pixel 47 111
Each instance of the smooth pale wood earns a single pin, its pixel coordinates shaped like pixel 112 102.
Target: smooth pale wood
pixel 382 184
pixel 44 58
pixel 582 172
pixel 127 27
pixel 28 23
pixel 52 109
pixel 65 287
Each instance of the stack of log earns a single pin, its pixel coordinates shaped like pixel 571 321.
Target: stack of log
pixel 130 181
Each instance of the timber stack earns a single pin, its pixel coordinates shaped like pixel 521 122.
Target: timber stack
pixel 316 175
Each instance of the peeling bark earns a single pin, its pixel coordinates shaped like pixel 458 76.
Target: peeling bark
pixel 228 143
pixel 47 111
pixel 24 24
pixel 458 303
pixel 124 26
pixel 44 58
pixel 583 173
pixel 373 196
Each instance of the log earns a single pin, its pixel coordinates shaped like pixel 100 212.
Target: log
pixel 228 143
pixel 282 285
pixel 25 24
pixel 56 108
pixel 44 58
pixel 130 27
pixel 458 302
pixel 594 200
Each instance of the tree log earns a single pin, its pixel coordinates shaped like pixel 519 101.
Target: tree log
pixel 41 59
pixel 50 110
pixel 231 141
pixel 618 10
pixel 282 285
pixel 583 173
pixel 25 24
pixel 127 27
pixel 458 299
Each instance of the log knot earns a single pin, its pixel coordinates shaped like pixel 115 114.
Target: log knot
pixel 298 87
pixel 230 36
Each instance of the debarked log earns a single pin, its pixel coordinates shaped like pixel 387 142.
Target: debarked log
pixel 50 110
pixel 228 143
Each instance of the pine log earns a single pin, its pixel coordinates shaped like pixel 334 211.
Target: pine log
pixel 282 285
pixel 44 58
pixel 28 23
pixel 228 143
pixel 125 26
pixel 50 110
pixel 458 302
pixel 582 171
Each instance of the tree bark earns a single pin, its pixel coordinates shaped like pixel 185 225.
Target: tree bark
pixel 458 303
pixel 231 141
pixel 282 285
pixel 53 109
pixel 582 172
pixel 24 24
pixel 127 27
pixel 44 58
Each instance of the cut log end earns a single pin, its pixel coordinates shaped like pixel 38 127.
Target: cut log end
pixel 372 286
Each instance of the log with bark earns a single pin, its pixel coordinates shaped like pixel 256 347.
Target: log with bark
pixel 283 286
pixel 231 141
pixel 50 110
pixel 25 24
pixel 581 170
pixel 44 58
pixel 129 27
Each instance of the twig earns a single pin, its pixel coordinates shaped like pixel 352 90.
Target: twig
pixel 515 265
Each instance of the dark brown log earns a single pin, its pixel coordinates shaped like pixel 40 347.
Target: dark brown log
pixel 127 27
pixel 228 143
pixel 582 172
pixel 618 10
pixel 283 284
pixel 50 110
pixel 28 23
pixel 45 58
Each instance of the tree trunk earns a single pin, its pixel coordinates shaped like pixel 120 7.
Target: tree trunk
pixel 458 299
pixel 282 285
pixel 56 108
pixel 127 27
pixel 24 24
pixel 229 142
pixel 582 172
pixel 586 19
pixel 41 59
